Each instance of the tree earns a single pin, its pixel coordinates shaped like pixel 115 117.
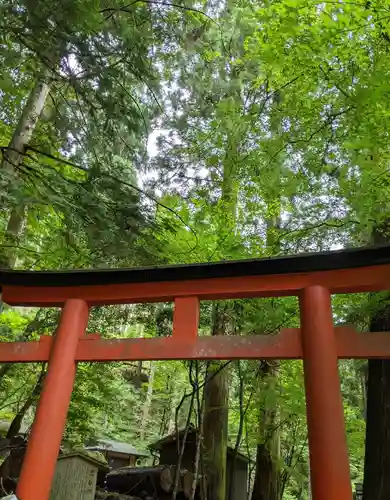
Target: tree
pixel 83 58
pixel 331 139
pixel 273 140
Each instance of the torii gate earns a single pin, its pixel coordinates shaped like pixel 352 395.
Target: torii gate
pixel 313 278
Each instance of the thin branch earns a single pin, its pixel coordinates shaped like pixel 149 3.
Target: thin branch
pixel 326 123
pixel 325 223
pixel 126 8
pixel 117 179
pixel 326 74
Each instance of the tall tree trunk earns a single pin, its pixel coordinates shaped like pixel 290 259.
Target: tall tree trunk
pixel 267 476
pixel 12 159
pixel 139 333
pixel 266 483
pixel 309 496
pixel 215 421
pixel 363 375
pixel 216 395
pixel 173 402
pixel 16 423
pixel 377 456
pixel 239 432
pixel 198 481
pixel 148 401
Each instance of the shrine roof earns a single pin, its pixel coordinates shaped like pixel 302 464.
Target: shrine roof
pixel 300 263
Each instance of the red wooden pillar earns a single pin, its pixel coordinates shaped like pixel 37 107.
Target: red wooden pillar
pixel 46 434
pixel 329 463
pixel 186 319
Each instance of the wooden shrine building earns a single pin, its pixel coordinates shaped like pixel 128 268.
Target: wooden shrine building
pixel 117 454
pixel 236 463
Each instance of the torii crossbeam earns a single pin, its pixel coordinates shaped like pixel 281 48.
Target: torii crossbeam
pixel 313 278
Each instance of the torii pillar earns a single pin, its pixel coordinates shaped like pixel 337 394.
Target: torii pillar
pixel 44 443
pixel 329 462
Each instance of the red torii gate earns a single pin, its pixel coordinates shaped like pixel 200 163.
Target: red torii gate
pixel 313 278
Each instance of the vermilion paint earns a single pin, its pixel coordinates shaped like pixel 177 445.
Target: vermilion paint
pixel 185 318
pixel 46 434
pixel 364 279
pixel 285 345
pixel 329 463
pixel 318 343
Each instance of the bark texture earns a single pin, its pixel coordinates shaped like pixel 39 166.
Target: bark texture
pixel 215 422
pixel 377 457
pixel 266 483
pixel 267 475
pixel 11 161
pixel 377 454
pixel 215 434
pixel 216 392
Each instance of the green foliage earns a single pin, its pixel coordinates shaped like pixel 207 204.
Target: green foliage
pixel 272 138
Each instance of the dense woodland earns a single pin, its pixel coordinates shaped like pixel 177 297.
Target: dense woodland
pixel 156 132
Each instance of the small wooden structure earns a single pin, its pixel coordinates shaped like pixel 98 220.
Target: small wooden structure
pixel 75 477
pixel 117 454
pixel 236 462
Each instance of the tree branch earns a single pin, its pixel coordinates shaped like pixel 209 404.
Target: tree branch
pixel 153 2
pixel 116 179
